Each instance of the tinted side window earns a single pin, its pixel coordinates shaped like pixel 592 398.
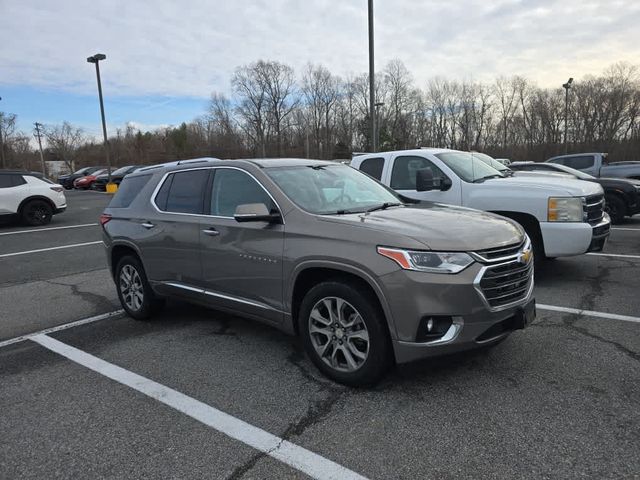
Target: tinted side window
pixel 232 188
pixel 579 163
pixel 373 167
pixel 183 192
pixel 403 175
pixel 128 191
pixel 11 180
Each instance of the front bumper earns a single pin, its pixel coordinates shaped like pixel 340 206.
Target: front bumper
pixel 565 239
pixel 415 296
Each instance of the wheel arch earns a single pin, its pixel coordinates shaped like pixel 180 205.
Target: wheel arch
pixel 309 274
pixel 36 197
pixel 119 250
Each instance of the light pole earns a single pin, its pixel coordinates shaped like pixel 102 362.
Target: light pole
pixel 39 134
pixel 566 87
pixel 2 141
pixel 96 59
pixel 377 123
pixel 372 82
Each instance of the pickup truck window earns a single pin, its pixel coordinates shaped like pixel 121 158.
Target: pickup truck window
pixel 373 167
pixel 403 175
pixel 468 166
pixel 584 161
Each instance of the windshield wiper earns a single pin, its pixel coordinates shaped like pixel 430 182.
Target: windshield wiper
pixel 383 206
pixel 482 179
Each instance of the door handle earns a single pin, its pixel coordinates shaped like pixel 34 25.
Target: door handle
pixel 147 225
pixel 212 232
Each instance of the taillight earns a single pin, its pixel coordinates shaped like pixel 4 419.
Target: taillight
pixel 57 189
pixel 104 218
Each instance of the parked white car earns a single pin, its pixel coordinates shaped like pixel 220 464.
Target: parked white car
pixel 30 197
pixel 562 216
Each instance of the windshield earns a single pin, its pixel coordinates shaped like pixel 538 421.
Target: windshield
pixel 468 166
pixel 492 162
pixel 331 189
pixel 122 170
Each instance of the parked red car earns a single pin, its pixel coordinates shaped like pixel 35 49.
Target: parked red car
pixel 85 182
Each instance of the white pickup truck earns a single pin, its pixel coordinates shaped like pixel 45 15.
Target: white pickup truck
pixel 563 217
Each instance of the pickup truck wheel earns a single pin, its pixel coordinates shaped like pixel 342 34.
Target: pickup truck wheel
pixel 134 291
pixel 616 208
pixel 344 333
pixel 37 212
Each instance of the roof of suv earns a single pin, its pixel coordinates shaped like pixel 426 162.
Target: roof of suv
pixel 20 172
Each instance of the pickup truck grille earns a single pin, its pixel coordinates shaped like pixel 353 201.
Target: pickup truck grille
pixel 506 283
pixel 594 209
pixel 492 254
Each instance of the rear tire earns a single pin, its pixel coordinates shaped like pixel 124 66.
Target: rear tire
pixel 36 213
pixel 616 209
pixel 134 291
pixel 344 333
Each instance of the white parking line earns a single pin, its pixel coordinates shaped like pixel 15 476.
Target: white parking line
pixel 49 249
pixel 613 255
pixel 50 228
pixel 77 323
pixel 293 455
pixel 627 229
pixel 589 313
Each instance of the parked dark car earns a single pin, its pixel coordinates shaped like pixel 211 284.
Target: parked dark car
pixel 67 180
pixel 100 182
pixel 622 196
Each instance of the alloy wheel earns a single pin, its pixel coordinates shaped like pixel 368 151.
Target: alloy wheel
pixel 338 334
pixel 131 287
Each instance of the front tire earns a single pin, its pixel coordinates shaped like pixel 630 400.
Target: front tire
pixel 36 213
pixel 344 333
pixel 134 291
pixel 616 209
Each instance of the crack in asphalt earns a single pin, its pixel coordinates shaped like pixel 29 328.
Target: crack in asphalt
pixel 317 412
pixel 98 301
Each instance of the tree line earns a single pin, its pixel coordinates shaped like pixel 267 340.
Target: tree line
pixel 272 111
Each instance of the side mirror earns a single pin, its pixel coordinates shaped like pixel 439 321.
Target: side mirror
pixel 424 180
pixel 255 212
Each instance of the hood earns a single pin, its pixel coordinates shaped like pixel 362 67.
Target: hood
pixel 438 227
pixel 553 184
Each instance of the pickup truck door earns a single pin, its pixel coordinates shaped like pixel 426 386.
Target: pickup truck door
pixel 400 175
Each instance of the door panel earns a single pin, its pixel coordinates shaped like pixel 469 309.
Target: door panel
pixel 241 262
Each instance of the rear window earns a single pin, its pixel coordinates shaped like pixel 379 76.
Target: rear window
pixel 129 190
pixel 183 192
pixel 373 167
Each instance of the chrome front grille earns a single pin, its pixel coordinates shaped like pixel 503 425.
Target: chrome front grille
pixel 594 209
pixel 506 283
pixel 493 254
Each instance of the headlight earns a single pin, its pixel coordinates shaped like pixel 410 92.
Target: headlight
pixel 565 209
pixel 433 262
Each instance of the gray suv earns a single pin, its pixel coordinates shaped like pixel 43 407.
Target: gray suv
pixel 323 251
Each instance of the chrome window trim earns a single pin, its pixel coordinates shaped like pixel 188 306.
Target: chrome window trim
pixel 154 194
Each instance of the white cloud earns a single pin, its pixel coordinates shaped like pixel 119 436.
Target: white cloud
pixel 191 47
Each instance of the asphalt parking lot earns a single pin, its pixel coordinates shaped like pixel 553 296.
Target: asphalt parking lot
pixel 201 394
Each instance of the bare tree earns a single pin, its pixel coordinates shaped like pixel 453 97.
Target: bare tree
pixel 64 141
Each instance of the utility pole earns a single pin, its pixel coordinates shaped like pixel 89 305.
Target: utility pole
pixel 566 87
pixel 96 60
pixel 38 134
pixel 372 82
pixel 4 165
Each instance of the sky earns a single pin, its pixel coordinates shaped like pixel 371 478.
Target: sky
pixel 165 58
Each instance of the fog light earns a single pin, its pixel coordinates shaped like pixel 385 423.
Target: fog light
pixel 433 327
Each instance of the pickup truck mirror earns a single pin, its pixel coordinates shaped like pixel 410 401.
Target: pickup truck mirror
pixel 255 212
pixel 425 181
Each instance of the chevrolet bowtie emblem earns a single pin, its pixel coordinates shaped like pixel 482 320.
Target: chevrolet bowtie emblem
pixel 525 256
